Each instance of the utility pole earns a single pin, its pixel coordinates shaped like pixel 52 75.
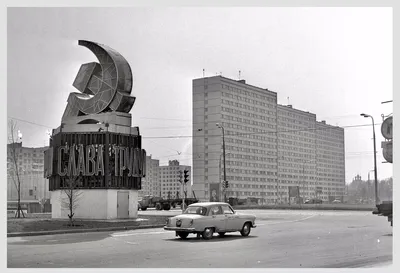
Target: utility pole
pixel 375 167
pixel 303 183
pixel 223 151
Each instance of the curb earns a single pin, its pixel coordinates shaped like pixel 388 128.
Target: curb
pixel 302 208
pixel 66 231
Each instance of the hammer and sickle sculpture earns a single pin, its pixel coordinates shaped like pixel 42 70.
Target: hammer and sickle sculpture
pixel 105 86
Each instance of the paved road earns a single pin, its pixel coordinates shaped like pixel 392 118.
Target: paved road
pixel 283 239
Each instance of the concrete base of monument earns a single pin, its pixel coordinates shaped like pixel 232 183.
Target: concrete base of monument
pixel 96 204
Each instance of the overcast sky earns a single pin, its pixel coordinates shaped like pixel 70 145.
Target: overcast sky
pixel 334 62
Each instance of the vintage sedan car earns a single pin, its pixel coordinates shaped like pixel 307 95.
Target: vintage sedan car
pixel 209 217
pixel 313 201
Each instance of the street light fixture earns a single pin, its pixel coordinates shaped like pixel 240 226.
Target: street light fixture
pixel 375 168
pixel 223 151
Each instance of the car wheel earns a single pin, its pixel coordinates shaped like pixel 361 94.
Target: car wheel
pixel 158 206
pixel 143 209
pixel 221 234
pixel 208 233
pixel 246 229
pixel 183 235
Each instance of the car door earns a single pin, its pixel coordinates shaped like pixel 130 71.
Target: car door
pixel 233 221
pixel 217 218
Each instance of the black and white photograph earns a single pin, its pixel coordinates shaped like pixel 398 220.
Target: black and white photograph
pixel 199 136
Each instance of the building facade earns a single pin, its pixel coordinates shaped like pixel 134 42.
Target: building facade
pixel 331 160
pixel 296 152
pixel 268 147
pixel 169 180
pixel 151 184
pixel 30 162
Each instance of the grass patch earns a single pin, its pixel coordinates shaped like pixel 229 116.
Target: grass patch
pixel 42 224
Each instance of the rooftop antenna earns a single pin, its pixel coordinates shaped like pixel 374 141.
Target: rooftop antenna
pixel 239 74
pixel 288 101
pixel 204 73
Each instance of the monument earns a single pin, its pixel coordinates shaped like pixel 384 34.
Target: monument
pixel 95 152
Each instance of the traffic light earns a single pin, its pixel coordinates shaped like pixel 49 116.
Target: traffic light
pixel 180 177
pixel 186 176
pixel 226 184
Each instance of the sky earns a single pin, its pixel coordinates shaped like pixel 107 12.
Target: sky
pixel 334 62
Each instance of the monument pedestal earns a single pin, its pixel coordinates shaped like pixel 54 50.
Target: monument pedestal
pixel 97 204
pixel 108 195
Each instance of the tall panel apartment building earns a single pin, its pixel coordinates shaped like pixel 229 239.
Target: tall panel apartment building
pixel 30 162
pixel 151 184
pixel 269 147
pixel 331 160
pixel 248 115
pixel 169 177
pixel 296 151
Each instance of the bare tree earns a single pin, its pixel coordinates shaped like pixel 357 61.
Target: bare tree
pixel 13 170
pixel 73 194
pixel 42 203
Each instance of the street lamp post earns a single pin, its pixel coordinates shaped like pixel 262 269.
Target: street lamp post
pixel 220 159
pixel 375 168
pixel 220 182
pixel 369 188
pixel 304 180
pixel 223 151
pixel 303 183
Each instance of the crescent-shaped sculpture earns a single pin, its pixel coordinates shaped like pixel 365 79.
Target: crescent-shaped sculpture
pixel 105 86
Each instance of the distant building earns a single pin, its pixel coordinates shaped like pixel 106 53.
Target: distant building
pixel 269 147
pixel 169 177
pixel 330 158
pixel 151 184
pixel 30 163
pixel 296 152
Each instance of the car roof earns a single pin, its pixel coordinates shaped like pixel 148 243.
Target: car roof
pixel 207 204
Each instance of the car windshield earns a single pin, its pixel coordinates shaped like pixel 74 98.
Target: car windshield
pixel 196 210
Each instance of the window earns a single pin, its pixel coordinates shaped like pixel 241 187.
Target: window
pixel 215 210
pixel 30 192
pixel 226 209
pixel 196 210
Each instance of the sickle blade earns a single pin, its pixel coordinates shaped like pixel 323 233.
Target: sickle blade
pixel 104 86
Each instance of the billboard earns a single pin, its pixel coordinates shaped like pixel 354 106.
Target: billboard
pixel 214 192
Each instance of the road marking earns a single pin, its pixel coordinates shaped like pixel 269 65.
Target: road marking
pixel 131 243
pixel 138 233
pixel 163 232
pixel 284 222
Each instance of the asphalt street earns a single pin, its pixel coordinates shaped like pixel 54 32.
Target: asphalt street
pixel 282 239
